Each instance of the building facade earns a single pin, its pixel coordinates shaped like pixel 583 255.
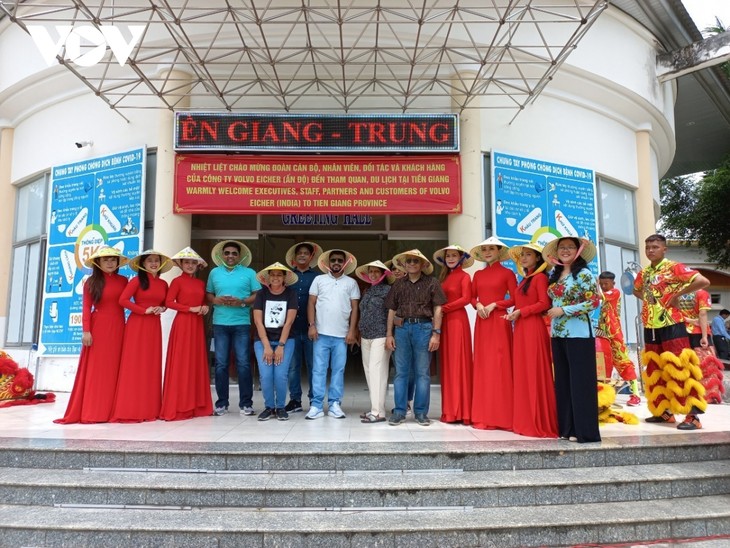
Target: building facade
pixel 602 109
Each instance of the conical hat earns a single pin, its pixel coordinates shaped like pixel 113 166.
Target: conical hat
pixel 106 251
pixel 290 254
pixel 350 261
pixel 244 257
pixel 188 253
pixel 290 277
pixel 165 262
pixel 362 271
pixel 515 251
pixel 550 251
pixel 400 260
pixel 476 251
pixel 438 257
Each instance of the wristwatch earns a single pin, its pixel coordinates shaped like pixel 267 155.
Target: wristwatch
pixel 437 331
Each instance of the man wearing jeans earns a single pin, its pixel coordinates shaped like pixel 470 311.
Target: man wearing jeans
pixel 231 291
pixel 414 331
pixel 301 257
pixel 332 315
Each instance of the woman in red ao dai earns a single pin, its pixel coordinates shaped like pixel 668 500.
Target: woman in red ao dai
pixel 492 380
pixel 139 389
pixel 455 349
pixel 534 412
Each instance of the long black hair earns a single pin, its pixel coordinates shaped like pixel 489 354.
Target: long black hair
pixel 95 283
pixel 540 261
pixel 576 266
pixel 144 279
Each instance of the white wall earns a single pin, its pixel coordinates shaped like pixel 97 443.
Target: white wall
pixel 588 116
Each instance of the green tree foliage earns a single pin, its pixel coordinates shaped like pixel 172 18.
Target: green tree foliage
pixel 698 211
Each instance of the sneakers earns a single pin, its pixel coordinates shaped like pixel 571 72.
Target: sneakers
pixel 294 406
pixel 282 415
pixel 314 413
pixel 690 422
pixel 409 411
pixel 218 411
pixel 248 410
pixel 335 411
pixel 664 417
pixel 395 420
pixel 633 401
pixel 423 420
pixel 266 414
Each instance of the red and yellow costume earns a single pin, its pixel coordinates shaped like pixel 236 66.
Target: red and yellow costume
pixel 673 376
pixel 609 323
pixel 712 376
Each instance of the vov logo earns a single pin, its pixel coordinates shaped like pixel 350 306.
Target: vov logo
pixel 87 36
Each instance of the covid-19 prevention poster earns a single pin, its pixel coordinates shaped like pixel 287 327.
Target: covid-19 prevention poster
pixel 537 201
pixel 95 202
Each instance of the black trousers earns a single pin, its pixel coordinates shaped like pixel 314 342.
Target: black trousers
pixel 576 392
pixel 721 345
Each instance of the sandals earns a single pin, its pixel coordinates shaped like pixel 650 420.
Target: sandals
pixel 370 418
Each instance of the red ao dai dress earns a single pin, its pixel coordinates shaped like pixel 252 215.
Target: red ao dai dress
pixel 186 392
pixel 92 396
pixel 491 406
pixel 455 349
pixel 534 412
pixel 139 389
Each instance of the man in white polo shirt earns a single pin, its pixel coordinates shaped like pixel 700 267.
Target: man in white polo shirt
pixel 332 317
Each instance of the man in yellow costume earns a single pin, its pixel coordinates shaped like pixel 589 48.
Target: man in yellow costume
pixel 673 376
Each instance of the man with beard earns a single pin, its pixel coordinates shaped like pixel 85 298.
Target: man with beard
pixel 332 315
pixel 231 290
pixel 301 257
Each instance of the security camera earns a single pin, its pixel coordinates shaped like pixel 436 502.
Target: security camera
pixel 82 144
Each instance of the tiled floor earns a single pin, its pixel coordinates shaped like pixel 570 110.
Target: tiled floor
pixel 36 421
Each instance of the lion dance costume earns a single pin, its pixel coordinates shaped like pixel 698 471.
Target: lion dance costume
pixel 694 307
pixel 673 377
pixel 609 327
pixel 16 385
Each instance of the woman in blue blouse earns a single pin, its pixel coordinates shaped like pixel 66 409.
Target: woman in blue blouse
pixel 574 296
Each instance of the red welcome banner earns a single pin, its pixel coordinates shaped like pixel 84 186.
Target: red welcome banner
pixel 377 185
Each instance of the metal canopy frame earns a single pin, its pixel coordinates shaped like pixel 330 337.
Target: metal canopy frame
pixel 323 55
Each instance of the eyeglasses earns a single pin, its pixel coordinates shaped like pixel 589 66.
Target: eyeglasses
pixel 412 260
pixel 336 260
pixel 234 253
pixel 567 248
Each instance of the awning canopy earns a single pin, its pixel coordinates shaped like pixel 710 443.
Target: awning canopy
pixel 305 55
pixel 365 56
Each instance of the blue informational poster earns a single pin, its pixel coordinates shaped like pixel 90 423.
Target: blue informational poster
pixel 96 202
pixel 537 201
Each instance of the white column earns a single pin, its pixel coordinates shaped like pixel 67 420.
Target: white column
pixel 7 220
pixel 646 222
pixel 171 231
pixel 467 228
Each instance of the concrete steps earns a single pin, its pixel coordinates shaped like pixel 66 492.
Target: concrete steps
pixel 363 489
pixel 532 493
pixel 547 525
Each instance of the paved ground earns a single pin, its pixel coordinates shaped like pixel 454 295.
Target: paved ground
pixel 36 421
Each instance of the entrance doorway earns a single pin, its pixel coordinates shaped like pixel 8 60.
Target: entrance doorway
pixel 268 239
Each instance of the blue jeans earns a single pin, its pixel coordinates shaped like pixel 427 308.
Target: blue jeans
pixel 238 336
pixel 329 352
pixel 412 356
pixel 303 353
pixel 274 377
